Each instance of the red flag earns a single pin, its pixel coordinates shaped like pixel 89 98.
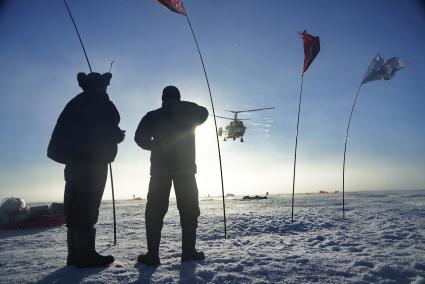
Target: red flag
pixel 174 5
pixel 311 48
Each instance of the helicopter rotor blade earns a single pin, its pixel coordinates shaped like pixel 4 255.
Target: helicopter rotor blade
pixel 224 117
pixel 260 124
pixel 231 118
pixel 249 110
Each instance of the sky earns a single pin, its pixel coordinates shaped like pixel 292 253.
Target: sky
pixel 254 57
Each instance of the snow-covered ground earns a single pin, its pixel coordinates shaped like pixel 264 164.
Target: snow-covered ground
pixel 382 240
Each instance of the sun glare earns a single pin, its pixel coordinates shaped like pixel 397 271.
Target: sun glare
pixel 205 135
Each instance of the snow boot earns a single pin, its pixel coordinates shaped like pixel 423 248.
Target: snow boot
pixel 153 238
pixel 189 251
pixel 71 258
pixel 194 255
pixel 149 260
pixel 86 250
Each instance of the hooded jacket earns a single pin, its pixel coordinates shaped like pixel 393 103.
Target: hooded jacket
pixel 86 131
pixel 169 133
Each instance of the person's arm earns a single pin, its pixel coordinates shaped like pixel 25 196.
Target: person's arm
pixel 202 115
pixel 114 132
pixel 191 113
pixel 59 141
pixel 144 133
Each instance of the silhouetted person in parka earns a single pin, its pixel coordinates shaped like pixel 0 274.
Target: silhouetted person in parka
pixel 169 133
pixel 85 139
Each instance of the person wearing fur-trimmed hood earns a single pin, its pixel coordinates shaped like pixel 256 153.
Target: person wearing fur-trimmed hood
pixel 85 139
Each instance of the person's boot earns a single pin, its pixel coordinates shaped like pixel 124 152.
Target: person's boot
pixel 149 260
pixel 193 255
pixel 86 251
pixel 153 238
pixel 71 258
pixel 189 251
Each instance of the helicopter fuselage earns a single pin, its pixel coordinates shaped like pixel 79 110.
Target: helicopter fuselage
pixel 235 129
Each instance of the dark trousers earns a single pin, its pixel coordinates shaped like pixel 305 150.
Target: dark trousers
pixel 157 206
pixel 85 183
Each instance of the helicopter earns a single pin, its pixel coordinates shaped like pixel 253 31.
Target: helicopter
pixel 236 128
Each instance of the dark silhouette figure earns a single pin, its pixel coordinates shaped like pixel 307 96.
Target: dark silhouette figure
pixel 169 133
pixel 85 139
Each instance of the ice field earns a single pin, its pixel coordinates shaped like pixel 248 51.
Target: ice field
pixel 382 240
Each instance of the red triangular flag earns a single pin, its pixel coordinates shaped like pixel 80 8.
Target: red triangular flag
pixel 174 5
pixel 311 48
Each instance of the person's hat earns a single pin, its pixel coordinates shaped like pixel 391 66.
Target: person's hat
pixel 170 92
pixel 93 80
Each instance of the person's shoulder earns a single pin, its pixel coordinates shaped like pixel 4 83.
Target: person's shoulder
pixel 78 97
pixel 155 112
pixel 152 114
pixel 75 101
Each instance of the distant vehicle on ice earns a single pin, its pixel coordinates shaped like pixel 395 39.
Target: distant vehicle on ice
pixel 136 198
pixel 247 197
pixel 14 214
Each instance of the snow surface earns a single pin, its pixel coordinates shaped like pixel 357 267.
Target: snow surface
pixel 382 240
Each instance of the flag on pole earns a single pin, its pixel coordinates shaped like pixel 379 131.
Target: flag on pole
pixel 381 69
pixel 311 48
pixel 175 6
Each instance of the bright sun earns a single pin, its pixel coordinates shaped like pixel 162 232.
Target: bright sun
pixel 205 135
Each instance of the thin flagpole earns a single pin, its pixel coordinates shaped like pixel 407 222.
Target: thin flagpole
pixel 113 204
pixel 296 146
pixel 88 63
pixel 78 34
pixel 215 123
pixel 345 151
